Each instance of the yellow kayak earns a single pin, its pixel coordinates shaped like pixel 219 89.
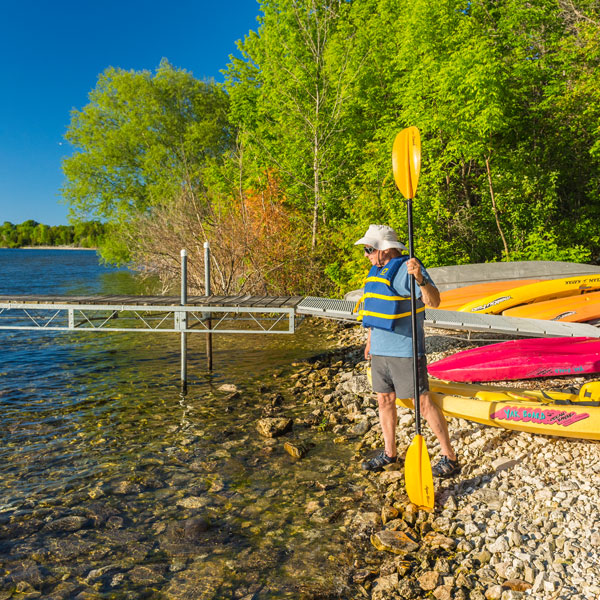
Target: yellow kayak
pixel 543 290
pixel 536 411
pixel 455 298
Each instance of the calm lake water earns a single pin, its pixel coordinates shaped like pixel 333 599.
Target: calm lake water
pixel 113 485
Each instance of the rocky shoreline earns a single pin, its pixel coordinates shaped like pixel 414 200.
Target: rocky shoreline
pixel 520 521
pixel 255 492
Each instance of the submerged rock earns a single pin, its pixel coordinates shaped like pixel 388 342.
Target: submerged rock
pixel 71 523
pixel 296 449
pixel 194 502
pixel 147 574
pixel 229 388
pixel 271 427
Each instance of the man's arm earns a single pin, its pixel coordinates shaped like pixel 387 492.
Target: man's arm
pixel 429 293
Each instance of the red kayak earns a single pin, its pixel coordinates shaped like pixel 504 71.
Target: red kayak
pixel 521 359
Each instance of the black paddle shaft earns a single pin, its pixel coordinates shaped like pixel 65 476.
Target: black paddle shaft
pixel 413 314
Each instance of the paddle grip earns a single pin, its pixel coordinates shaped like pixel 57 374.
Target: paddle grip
pixel 413 314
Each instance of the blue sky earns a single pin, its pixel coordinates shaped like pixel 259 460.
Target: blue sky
pixel 51 53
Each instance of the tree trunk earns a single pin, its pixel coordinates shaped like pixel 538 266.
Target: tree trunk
pixel 495 208
pixel 316 192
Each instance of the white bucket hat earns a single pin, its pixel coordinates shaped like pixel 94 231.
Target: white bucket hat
pixel 381 237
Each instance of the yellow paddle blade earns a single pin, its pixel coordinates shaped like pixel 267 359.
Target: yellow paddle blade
pixel 417 474
pixel 590 391
pixel 406 161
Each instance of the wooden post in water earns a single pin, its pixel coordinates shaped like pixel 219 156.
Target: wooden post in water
pixel 209 358
pixel 183 334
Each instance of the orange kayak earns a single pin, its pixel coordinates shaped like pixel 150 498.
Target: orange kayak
pixel 574 309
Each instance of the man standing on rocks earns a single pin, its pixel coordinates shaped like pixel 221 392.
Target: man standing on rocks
pixel 386 311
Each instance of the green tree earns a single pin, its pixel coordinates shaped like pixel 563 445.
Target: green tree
pixel 88 234
pixel 41 235
pixel 288 93
pixel 8 235
pixel 483 81
pixel 141 140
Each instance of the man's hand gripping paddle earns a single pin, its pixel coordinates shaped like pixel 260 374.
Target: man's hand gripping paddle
pixel 406 164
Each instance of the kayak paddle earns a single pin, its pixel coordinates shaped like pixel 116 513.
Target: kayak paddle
pixel 406 164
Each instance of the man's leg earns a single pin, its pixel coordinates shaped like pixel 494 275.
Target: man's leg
pixel 388 419
pixel 436 420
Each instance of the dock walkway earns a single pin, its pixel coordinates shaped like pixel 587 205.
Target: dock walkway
pixel 227 314
pixel 234 314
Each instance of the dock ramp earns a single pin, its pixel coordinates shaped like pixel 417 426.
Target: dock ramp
pixel 449 319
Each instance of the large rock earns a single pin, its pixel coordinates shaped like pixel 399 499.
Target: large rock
pixel 295 449
pixel 393 541
pixel 271 427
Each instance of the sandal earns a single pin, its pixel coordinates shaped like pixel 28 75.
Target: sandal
pixel 446 468
pixel 377 463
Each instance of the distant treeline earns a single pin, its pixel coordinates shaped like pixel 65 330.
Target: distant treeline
pixel 31 233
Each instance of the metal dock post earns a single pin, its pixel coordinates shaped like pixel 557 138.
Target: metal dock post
pixel 209 358
pixel 184 322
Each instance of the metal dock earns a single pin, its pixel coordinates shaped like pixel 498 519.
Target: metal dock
pixel 210 314
pixel 234 314
pixel 199 314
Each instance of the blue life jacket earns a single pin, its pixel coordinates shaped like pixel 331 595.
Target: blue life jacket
pixel 382 306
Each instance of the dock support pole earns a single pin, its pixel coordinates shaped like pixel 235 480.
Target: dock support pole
pixel 183 334
pixel 209 357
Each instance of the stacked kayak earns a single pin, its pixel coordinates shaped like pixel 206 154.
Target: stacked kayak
pixel 456 298
pixel 575 415
pixel 550 289
pixel 573 309
pixel 571 299
pixel 521 359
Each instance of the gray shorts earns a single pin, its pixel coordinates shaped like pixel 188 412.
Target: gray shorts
pixel 395 374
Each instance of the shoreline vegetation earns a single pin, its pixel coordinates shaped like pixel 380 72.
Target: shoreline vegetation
pixel 286 163
pixel 33 235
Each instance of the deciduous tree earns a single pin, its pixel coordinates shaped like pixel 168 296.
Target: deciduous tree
pixel 141 141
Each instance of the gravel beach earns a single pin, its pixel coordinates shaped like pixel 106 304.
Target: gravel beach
pixel 522 520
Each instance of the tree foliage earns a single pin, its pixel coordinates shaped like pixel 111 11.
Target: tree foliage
pixel 505 95
pixel 288 93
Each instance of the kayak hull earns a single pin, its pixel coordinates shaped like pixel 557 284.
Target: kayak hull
pixel 516 410
pixel 521 359
pixel 572 309
pixel 455 298
pixel 533 292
